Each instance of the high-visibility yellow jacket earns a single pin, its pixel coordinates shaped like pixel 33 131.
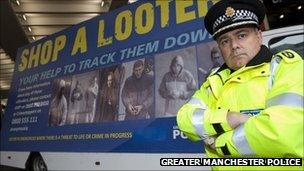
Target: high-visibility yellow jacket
pixel 271 91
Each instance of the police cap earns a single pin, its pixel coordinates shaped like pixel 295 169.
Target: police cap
pixel 227 15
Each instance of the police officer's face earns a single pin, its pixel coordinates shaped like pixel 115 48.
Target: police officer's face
pixel 138 71
pixel 239 46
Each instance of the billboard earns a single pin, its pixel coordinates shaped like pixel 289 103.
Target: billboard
pixel 113 83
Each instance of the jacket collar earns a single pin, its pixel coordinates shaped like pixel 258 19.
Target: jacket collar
pixel 264 56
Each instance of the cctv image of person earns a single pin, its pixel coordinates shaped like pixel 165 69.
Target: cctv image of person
pixel 109 99
pixel 91 98
pixel 177 86
pixel 58 107
pixel 137 93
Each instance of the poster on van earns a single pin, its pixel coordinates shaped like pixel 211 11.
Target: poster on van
pixel 113 83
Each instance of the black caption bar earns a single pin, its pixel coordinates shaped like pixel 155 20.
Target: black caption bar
pixel 231 161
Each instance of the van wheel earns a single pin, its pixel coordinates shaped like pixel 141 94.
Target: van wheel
pixel 37 163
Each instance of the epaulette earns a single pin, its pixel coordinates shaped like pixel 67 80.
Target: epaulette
pixel 288 56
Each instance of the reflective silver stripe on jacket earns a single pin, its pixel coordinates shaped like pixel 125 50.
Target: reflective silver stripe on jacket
pixel 196 101
pixel 198 116
pixel 286 99
pixel 240 141
pixel 273 67
pixel 197 122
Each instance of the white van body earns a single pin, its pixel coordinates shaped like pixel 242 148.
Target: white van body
pixel 133 161
pixel 284 38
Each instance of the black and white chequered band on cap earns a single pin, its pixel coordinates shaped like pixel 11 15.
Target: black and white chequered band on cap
pixel 239 15
pixel 234 25
pixel 226 15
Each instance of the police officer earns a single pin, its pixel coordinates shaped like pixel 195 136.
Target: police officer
pixel 252 106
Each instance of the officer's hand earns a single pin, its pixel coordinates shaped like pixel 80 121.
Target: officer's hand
pixel 235 119
pixel 209 141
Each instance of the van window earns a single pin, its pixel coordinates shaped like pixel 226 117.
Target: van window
pixel 294 42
